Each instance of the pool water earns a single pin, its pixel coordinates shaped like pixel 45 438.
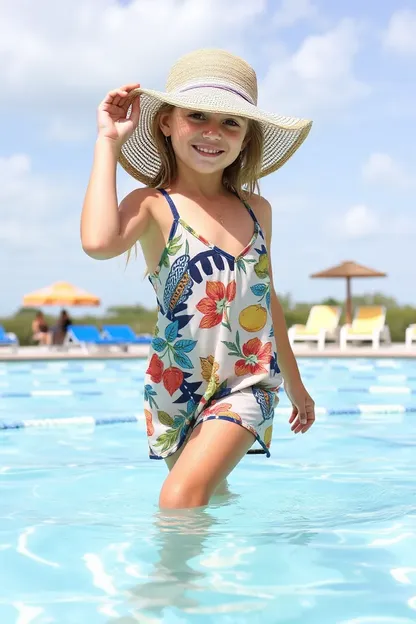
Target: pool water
pixel 323 532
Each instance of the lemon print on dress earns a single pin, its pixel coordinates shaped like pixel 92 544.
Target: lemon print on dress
pixel 268 436
pixel 253 318
pixel 262 267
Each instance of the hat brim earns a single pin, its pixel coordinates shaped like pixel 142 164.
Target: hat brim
pixel 282 135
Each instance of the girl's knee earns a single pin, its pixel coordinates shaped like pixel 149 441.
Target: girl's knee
pixel 179 495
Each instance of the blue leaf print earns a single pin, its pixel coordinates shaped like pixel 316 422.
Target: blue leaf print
pixel 178 284
pixel 185 345
pixel 184 320
pixel 262 250
pixel 148 391
pixel 158 344
pixel 189 390
pixel 274 366
pixel 191 407
pixel 195 274
pixel 218 261
pixel 265 398
pixel 206 266
pixel 268 300
pixel 259 289
pixel 171 331
pixel 180 308
pixel 183 360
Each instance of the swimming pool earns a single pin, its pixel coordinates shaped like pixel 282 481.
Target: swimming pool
pixel 322 532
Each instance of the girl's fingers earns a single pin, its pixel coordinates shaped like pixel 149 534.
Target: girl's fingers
pixel 135 111
pixel 295 424
pixel 293 416
pixel 119 97
pixel 115 95
pixel 130 87
pixel 112 109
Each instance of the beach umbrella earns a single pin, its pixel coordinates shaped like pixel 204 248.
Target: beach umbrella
pixel 348 270
pixel 60 294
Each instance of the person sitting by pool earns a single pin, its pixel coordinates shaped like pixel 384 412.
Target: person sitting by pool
pixel 61 327
pixel 40 330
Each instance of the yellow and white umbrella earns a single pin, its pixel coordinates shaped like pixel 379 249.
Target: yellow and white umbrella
pixel 60 294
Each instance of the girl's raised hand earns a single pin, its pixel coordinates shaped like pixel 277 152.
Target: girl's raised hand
pixel 112 111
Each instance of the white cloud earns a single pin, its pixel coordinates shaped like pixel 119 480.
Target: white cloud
pixel 382 169
pixel 362 222
pixel 400 35
pixel 31 207
pixel 319 76
pixel 61 66
pixel 358 222
pixel 66 61
pixel 292 11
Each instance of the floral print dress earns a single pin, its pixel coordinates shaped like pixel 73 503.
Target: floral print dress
pixel 213 354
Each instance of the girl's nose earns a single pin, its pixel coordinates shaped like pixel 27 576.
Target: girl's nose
pixel 212 131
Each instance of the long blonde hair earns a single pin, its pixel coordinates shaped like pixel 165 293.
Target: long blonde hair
pixel 240 178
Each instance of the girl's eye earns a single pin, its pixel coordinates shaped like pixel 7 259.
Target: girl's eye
pixel 196 115
pixel 232 122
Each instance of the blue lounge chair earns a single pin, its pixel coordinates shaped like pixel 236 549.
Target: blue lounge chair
pixel 125 334
pixel 8 339
pixel 86 336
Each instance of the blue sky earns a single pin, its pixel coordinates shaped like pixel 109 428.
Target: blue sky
pixel 348 194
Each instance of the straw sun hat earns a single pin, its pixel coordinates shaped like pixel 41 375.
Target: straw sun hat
pixel 210 81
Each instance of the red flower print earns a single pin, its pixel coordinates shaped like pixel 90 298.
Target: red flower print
pixel 155 368
pixel 257 357
pixel 149 423
pixel 214 305
pixel 172 379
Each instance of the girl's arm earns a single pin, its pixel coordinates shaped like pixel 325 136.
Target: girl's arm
pixel 303 412
pixel 107 229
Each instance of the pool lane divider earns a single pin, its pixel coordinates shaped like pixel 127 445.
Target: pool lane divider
pixel 92 421
pixel 130 391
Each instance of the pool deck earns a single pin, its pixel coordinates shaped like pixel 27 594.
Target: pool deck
pixel 396 350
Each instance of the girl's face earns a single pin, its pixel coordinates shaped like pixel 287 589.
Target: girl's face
pixel 205 142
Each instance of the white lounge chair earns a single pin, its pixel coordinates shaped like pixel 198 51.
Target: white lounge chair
pixel 322 325
pixel 369 323
pixel 410 335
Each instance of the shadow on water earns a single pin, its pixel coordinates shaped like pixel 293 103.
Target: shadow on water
pixel 180 535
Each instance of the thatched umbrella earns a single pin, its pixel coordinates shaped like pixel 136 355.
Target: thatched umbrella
pixel 348 270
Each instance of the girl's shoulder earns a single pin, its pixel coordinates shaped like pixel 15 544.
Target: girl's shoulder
pixel 262 210
pixel 145 200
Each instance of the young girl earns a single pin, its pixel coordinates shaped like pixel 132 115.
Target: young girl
pixel 220 345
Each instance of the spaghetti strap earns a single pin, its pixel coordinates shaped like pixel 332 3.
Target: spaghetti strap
pixel 251 212
pixel 171 204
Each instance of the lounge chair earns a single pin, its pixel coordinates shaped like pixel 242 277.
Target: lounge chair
pixel 8 339
pixel 322 325
pixel 410 335
pixel 125 334
pixel 87 336
pixel 368 324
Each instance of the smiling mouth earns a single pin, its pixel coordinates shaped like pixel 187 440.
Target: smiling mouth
pixel 209 153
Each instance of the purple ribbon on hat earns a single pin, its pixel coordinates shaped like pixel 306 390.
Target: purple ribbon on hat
pixel 219 86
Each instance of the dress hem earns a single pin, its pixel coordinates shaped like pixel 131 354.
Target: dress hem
pixel 217 417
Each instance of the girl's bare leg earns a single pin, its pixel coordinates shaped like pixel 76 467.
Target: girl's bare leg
pixel 212 451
